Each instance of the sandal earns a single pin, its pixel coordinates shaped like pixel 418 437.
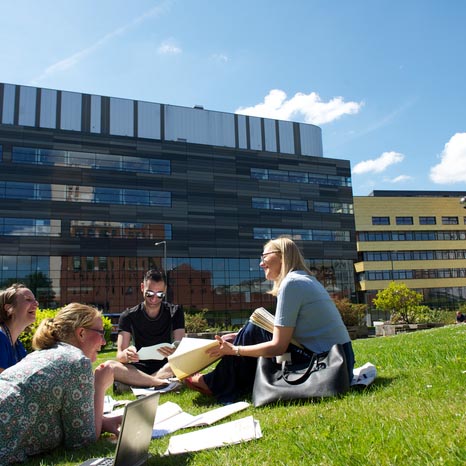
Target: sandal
pixel 197 386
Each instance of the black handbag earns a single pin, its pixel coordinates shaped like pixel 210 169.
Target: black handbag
pixel 325 375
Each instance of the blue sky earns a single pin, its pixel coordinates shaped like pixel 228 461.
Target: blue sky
pixel 384 79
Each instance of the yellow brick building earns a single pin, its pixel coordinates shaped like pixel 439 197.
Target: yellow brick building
pixel 415 237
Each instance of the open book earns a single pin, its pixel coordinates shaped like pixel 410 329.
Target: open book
pixel 191 357
pixel 170 417
pixel 263 319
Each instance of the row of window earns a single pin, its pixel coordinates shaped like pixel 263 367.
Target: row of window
pixel 410 235
pixel 429 220
pixel 301 206
pixel 333 207
pixel 10 226
pixel 302 235
pixel 412 274
pixel 414 255
pixel 92 160
pixel 74 193
pixel 299 177
pixel 279 204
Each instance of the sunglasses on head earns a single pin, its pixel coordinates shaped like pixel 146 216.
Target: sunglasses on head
pixel 151 294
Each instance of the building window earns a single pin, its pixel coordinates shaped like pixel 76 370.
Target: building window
pixel 404 220
pixel 427 221
pixel 70 193
pixel 92 160
pixel 279 204
pixel 449 220
pixel 297 177
pixel 333 207
pixel 302 235
pixel 380 220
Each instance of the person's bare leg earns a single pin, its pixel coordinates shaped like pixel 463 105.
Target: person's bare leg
pixel 129 375
pixel 164 372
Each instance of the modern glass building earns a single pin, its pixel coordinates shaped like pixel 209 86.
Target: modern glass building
pixel 416 237
pixel 89 184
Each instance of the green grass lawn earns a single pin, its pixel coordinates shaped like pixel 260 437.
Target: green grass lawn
pixel 414 414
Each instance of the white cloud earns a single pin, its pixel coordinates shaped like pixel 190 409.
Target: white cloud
pixel 220 57
pixel 72 60
pixel 309 106
pixel 400 179
pixel 378 165
pixel 452 166
pixel 169 47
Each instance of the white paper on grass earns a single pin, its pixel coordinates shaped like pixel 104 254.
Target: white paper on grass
pixel 137 391
pixel 171 418
pixel 364 375
pixel 152 352
pixel 230 433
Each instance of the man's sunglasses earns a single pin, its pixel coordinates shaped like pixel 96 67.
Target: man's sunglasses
pixel 151 294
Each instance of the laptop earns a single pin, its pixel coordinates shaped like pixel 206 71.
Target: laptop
pixel 135 434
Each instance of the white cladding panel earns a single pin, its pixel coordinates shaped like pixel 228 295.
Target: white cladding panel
pixel 71 110
pixel 8 114
pixel 121 117
pixel 311 140
pixel 242 132
pixel 199 126
pixel 255 133
pixel 96 112
pixel 148 120
pixel 270 135
pixel 27 106
pixel 48 109
pixel 286 136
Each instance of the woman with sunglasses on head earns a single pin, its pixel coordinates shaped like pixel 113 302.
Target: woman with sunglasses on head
pixel 18 308
pixel 304 312
pixel 52 397
pixel 151 322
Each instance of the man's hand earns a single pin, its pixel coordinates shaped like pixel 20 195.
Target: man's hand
pixel 165 351
pixel 131 354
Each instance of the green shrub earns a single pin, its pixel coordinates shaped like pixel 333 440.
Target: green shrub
pixel 352 314
pixel 195 322
pixel 41 314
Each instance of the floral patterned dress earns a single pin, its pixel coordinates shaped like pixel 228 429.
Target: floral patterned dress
pixel 46 400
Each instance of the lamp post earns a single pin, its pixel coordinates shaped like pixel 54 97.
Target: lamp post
pixel 164 254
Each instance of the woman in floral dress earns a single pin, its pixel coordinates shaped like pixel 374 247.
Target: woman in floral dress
pixel 52 397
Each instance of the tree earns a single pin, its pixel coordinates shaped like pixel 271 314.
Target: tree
pixel 398 299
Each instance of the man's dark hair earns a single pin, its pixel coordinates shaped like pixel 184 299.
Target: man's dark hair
pixel 156 275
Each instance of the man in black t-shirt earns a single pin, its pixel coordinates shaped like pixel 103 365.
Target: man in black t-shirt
pixel 151 322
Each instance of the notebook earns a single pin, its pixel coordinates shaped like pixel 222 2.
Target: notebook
pixel 135 434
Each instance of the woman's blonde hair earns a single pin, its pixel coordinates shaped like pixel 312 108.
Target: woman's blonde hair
pixel 8 296
pixel 292 259
pixel 61 328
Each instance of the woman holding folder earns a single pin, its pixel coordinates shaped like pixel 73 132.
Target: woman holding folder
pixel 305 313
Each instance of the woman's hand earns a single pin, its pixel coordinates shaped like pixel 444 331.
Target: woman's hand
pixel 224 348
pixel 103 377
pixel 230 337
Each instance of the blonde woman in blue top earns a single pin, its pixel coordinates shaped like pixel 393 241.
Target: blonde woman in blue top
pixel 52 397
pixel 305 312
pixel 18 308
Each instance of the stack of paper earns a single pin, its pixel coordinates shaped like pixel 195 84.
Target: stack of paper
pixel 191 356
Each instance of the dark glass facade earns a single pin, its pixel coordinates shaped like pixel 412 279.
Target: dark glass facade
pixel 89 184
